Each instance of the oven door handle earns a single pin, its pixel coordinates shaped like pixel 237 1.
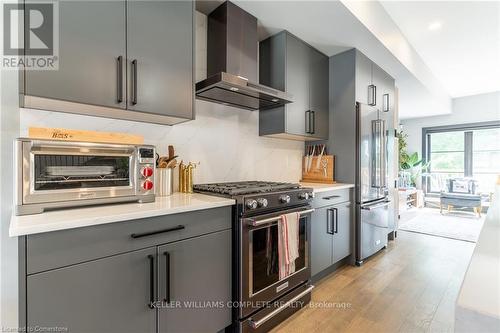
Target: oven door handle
pixel 258 223
pixel 260 322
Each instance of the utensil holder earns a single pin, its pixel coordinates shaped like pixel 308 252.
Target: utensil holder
pixel 164 179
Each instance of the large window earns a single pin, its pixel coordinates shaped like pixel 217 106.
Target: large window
pixel 463 151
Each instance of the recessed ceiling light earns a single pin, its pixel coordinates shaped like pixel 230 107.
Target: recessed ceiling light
pixel 434 26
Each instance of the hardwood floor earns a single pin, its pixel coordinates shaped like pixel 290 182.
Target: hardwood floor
pixel 409 287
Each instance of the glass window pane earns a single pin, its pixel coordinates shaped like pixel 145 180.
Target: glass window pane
pixel 486 139
pixel 447 162
pixel 438 181
pixel 447 141
pixel 486 162
pixel 486 182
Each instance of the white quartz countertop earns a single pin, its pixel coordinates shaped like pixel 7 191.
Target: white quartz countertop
pixel 319 187
pixel 88 216
pixel 478 303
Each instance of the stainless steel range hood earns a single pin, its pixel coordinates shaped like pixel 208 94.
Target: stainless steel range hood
pixel 232 51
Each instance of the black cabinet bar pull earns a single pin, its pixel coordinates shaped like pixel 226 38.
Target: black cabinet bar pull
pixel 372 95
pixel 134 82
pixel 386 107
pixel 336 230
pixel 167 277
pixel 313 122
pixel 329 224
pixel 331 197
pixel 119 79
pixel 151 281
pixel 308 121
pixel 150 233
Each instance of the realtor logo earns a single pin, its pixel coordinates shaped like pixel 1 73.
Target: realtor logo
pixel 30 35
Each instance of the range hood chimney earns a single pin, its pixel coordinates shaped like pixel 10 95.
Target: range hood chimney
pixel 232 64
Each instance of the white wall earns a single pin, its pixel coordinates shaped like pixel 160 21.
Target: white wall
pixel 469 109
pixel 9 126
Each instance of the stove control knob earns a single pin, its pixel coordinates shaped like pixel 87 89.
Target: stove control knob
pixel 285 199
pixel 262 202
pixel 304 196
pixel 147 172
pixel 251 204
pixel 147 185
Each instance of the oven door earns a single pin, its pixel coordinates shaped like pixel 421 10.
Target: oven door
pixel 260 280
pixel 63 171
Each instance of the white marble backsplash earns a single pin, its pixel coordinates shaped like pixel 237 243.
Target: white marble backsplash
pixel 225 140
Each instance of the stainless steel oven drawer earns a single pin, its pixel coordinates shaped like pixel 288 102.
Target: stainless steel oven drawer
pixel 323 199
pixel 269 317
pixel 67 247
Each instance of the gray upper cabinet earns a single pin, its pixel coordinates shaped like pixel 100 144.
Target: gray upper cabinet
pixel 297 84
pixel 373 85
pixel 364 78
pixel 133 55
pixel 288 63
pixel 160 57
pixel 196 271
pixel 105 295
pixel 318 92
pixel 89 52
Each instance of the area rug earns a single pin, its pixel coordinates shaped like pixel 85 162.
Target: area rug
pixel 456 225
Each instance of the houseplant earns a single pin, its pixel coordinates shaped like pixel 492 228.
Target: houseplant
pixel 410 163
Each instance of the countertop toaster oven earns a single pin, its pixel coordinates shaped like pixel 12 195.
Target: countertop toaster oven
pixel 60 174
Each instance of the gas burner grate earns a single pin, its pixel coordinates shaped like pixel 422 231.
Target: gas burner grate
pixel 247 187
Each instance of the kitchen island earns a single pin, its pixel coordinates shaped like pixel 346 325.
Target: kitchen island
pixel 478 303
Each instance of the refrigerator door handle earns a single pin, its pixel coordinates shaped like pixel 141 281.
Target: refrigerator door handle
pixel 383 155
pixel 376 206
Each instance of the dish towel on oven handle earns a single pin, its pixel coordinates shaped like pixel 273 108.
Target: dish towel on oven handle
pixel 288 243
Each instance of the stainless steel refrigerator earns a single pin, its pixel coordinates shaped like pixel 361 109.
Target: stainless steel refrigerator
pixel 373 198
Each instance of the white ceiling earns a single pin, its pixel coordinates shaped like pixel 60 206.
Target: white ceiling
pixel 464 52
pixel 332 27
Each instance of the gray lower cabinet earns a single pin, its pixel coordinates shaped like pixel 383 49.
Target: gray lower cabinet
pixel 195 277
pixel 88 56
pixel 288 63
pixel 321 240
pixel 104 295
pixel 343 218
pixel 178 280
pixel 331 230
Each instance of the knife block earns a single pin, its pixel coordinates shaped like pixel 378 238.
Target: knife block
pixel 325 173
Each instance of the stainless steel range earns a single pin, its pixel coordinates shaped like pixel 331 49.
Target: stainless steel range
pixel 264 300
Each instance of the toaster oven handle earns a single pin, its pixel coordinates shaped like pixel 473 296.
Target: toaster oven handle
pixel 257 223
pixel 260 322
pixel 151 233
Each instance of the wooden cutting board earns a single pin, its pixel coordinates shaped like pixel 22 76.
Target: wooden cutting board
pixel 63 134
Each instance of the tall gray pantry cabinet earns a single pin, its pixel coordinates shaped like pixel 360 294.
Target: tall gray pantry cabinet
pixel 119 59
pixel 104 278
